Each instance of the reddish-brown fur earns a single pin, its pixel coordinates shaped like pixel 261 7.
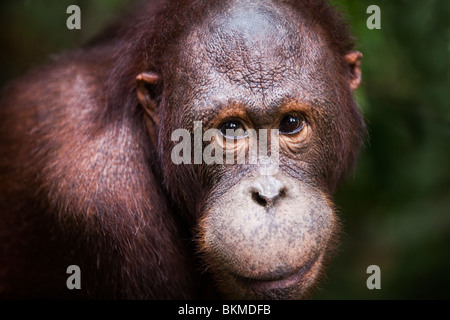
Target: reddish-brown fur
pixel 81 181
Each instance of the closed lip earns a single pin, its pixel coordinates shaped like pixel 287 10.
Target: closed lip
pixel 279 282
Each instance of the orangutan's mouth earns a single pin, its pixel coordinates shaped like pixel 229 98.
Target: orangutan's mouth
pixel 279 282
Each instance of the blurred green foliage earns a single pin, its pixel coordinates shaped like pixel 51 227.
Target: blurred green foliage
pixel 32 30
pixel 395 208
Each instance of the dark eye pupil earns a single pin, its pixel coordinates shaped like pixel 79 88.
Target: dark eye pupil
pixel 233 129
pixel 291 124
pixel 230 126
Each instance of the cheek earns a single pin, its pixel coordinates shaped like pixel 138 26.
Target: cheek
pixel 297 143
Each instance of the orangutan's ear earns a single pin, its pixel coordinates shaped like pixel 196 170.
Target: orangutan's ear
pixel 353 60
pixel 146 85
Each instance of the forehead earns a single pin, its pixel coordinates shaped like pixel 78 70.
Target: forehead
pixel 252 53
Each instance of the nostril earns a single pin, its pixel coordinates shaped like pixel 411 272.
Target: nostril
pixel 282 192
pixel 265 200
pixel 266 191
pixel 262 201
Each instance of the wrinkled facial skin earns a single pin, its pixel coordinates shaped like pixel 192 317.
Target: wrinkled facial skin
pixel 262 235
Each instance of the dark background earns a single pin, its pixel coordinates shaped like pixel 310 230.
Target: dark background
pixel 395 208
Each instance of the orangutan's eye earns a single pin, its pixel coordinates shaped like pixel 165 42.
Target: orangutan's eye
pixel 292 124
pixel 233 129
